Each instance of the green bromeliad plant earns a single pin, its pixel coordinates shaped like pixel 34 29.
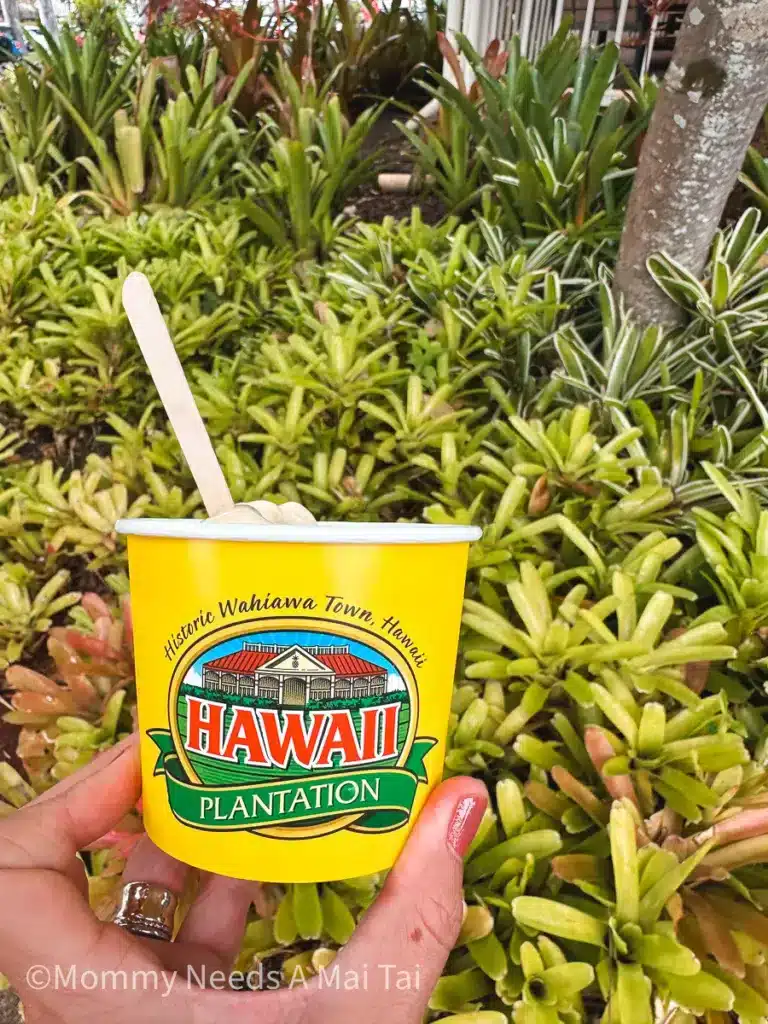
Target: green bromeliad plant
pixel 534 136
pixel 418 371
pixel 313 161
pixel 123 123
pixel 614 651
pixel 32 133
pixel 622 858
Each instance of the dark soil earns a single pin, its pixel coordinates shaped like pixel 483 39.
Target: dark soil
pixel 393 155
pixel 82 578
pixel 369 204
pixel 67 448
pixel 8 737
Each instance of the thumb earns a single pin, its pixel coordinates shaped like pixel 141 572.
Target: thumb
pixel 403 942
pixel 48 832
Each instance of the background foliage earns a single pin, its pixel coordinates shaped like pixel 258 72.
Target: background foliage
pixel 611 682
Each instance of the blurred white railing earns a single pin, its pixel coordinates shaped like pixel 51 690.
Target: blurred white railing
pixel 535 21
pixel 482 21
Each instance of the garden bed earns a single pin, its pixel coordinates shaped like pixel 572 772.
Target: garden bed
pixel 456 356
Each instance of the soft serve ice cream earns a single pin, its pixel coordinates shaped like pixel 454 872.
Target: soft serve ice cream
pixel 291 512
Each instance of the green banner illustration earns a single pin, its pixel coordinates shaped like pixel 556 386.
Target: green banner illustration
pixel 383 796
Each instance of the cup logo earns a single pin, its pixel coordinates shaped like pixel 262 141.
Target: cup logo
pixel 292 731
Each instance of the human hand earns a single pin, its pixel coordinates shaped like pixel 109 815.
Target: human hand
pixel 45 919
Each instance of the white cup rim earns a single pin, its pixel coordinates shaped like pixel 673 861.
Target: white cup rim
pixel 306 533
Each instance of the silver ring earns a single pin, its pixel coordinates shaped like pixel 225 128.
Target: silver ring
pixel 147 910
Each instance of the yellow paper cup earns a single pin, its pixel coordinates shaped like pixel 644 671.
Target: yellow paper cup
pixel 294 684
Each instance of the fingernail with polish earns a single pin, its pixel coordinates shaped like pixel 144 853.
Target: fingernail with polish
pixel 465 823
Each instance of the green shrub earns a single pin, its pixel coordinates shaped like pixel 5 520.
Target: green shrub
pixel 128 124
pixel 596 696
pixel 374 55
pixel 404 376
pixel 92 79
pixel 535 137
pixel 313 161
pixel 614 650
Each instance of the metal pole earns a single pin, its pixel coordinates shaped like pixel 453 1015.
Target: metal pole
pixel 505 10
pixel 533 34
pixel 454 17
pixel 649 47
pixel 48 17
pixel 508 17
pixel 525 26
pixel 14 19
pixel 471 29
pixel 547 26
pixel 621 21
pixel 453 24
pixel 494 24
pixel 485 12
pixel 540 28
pixel 589 17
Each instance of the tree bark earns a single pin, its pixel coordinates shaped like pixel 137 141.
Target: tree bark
pixel 48 17
pixel 12 9
pixel 713 95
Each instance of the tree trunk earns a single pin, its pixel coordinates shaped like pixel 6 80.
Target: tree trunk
pixel 713 96
pixel 48 17
pixel 12 8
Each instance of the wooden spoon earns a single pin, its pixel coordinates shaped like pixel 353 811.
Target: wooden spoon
pixel 151 332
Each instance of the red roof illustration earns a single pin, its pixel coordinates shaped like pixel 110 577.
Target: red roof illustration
pixel 341 664
pixel 242 661
pixel 350 665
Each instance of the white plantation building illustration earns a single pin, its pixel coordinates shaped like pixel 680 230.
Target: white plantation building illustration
pixel 294 675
